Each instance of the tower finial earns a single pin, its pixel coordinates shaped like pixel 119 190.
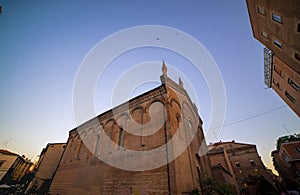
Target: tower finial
pixel 164 68
pixel 180 82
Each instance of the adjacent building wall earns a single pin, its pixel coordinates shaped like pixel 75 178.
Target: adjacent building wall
pixel 46 167
pixel 286 83
pixel 276 22
pixel 6 162
pixel 221 167
pixel 287 162
pixel 13 167
pixel 245 162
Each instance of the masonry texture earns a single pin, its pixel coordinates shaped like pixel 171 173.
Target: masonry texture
pixel 167 115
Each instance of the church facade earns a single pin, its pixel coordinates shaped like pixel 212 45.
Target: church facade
pixel 154 144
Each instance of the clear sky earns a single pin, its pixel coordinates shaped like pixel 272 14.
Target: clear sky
pixel 43 43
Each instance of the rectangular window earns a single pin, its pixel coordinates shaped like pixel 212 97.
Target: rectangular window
pixel 264 34
pixel 277 70
pixel 277 84
pixel 293 84
pixel 298 28
pixel 290 97
pixel 276 18
pixel 277 43
pixel 297 56
pixel 261 10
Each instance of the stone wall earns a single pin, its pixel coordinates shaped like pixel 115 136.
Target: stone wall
pixel 93 165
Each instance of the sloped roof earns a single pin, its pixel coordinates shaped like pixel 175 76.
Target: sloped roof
pixel 6 152
pixel 229 145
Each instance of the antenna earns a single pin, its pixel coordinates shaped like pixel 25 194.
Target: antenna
pixel 286 129
pixel 215 135
pixel 5 143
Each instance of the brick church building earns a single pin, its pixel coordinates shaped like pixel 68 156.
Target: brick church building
pixel 156 146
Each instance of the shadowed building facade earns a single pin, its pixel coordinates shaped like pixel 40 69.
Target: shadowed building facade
pixel 125 150
pixel 45 168
pixel 13 167
pixel 286 160
pixel 242 162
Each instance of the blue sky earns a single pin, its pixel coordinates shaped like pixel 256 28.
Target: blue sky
pixel 42 45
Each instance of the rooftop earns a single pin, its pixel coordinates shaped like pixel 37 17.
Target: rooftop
pixel 6 152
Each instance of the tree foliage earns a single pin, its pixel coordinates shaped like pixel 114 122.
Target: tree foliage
pixel 211 186
pixel 288 138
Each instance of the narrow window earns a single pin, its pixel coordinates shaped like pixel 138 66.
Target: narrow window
pixel 252 163
pixel 261 10
pixel 277 43
pixel 264 34
pixel 97 144
pixel 290 97
pixel 276 18
pixel 298 149
pixel 237 164
pixel 199 172
pixel 178 118
pixel 121 135
pixel 293 84
pixel 1 162
pixel 297 56
pixel 298 27
pixel 190 124
pixel 78 151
